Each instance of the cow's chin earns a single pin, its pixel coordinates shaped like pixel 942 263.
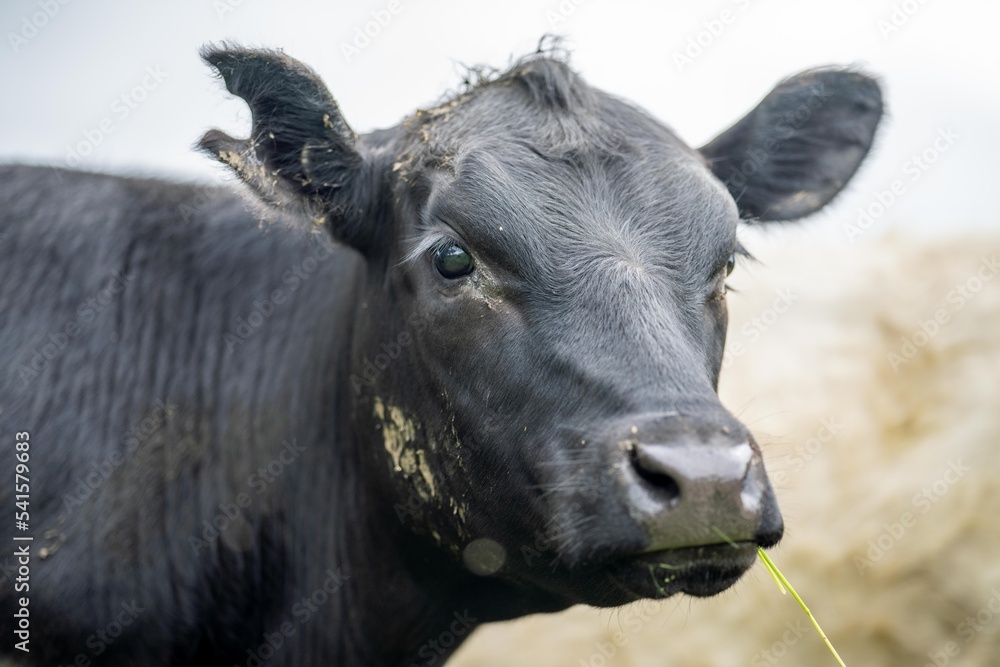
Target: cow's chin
pixel 701 571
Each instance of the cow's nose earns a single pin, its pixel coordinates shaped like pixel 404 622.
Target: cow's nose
pixel 696 484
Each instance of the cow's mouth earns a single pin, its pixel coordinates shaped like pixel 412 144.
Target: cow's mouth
pixel 701 571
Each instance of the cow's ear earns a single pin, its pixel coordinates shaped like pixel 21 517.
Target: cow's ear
pixel 791 154
pixel 301 155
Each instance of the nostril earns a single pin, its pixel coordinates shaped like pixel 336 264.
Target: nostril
pixel 663 482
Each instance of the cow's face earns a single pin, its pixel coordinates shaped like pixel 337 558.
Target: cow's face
pixel 540 338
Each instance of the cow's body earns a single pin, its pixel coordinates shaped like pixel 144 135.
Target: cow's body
pixel 214 412
pixel 249 442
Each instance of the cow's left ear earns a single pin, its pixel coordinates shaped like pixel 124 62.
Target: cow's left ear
pixel 791 154
pixel 301 155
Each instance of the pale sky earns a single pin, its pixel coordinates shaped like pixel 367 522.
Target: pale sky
pixel 64 77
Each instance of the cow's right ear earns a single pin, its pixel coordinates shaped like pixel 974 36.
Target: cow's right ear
pixel 301 155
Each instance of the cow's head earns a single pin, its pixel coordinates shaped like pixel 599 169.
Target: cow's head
pixel 538 343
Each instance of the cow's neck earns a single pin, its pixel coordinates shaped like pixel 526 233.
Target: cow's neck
pixel 413 604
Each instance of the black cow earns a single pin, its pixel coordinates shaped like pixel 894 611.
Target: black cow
pixel 456 371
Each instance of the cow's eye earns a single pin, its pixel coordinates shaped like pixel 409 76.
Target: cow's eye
pixel 730 263
pixel 452 261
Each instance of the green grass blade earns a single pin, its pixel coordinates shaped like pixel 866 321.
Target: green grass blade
pixel 782 582
pixel 769 566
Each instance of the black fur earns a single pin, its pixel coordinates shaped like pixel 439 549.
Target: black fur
pixel 798 148
pixel 448 451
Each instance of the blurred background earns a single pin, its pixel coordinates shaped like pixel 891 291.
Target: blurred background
pixel 863 405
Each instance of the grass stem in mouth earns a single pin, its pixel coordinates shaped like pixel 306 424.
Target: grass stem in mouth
pixel 725 538
pixel 779 579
